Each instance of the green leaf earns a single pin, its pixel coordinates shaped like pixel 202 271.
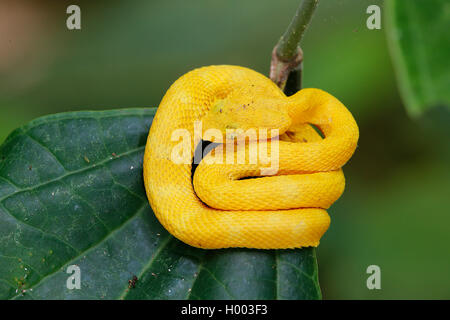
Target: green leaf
pixel 71 193
pixel 419 42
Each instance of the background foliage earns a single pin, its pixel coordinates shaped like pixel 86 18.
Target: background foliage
pixel 394 212
pixel 420 48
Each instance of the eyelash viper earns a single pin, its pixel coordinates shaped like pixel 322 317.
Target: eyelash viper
pixel 217 208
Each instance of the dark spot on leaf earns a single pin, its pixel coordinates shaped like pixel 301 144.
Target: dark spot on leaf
pixel 132 282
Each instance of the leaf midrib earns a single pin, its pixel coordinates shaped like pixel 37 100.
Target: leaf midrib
pixel 93 247
pixel 149 264
pixel 71 173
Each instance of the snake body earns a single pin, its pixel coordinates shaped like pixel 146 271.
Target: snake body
pixel 217 207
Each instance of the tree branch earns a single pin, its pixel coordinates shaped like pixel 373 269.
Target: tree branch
pixel 287 56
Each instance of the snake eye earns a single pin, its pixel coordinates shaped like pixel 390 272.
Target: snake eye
pixel 218 106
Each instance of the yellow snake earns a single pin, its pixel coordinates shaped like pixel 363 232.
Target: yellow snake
pixel 217 208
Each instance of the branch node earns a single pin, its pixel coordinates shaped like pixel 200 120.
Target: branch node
pixel 280 69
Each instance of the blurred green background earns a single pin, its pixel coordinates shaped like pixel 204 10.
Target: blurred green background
pixel 394 212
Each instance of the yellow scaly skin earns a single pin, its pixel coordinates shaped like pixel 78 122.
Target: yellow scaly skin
pixel 282 211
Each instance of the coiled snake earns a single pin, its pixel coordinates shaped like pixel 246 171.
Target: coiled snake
pixel 223 204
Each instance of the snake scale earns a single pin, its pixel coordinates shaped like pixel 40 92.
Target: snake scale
pixel 224 205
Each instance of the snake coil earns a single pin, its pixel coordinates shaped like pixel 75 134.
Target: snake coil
pixel 217 207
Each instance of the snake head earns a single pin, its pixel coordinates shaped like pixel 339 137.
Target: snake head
pixel 247 108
